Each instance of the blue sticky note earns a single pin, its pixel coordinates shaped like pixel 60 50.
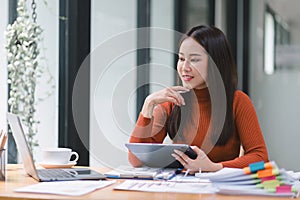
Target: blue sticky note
pixel 254 167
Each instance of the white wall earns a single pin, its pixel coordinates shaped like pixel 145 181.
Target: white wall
pixel 113 73
pixel 220 15
pixel 3 64
pixel 276 98
pixel 162 66
pixel 47 109
pixel 47 17
pixel 113 80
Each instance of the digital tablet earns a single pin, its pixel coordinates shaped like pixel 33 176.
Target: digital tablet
pixel 159 155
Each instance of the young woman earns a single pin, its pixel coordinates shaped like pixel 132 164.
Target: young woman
pixel 206 110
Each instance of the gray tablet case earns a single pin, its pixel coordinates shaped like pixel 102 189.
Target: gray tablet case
pixel 159 155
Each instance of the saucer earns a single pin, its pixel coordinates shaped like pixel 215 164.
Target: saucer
pixel 51 165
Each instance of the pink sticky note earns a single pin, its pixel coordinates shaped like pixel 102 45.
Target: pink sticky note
pixel 268 178
pixel 284 189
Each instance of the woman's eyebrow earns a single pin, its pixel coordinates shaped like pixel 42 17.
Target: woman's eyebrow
pixel 195 54
pixel 192 54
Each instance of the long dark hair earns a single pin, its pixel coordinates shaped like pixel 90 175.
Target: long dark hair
pixel 216 45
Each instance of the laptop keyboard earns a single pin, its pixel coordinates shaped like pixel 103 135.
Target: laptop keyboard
pixel 54 174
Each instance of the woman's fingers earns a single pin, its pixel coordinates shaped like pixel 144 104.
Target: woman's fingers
pixel 201 162
pixel 181 157
pixel 171 94
pixel 177 98
pixel 180 89
pixel 175 92
pixel 201 154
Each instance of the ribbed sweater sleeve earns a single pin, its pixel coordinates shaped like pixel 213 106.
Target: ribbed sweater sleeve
pixel 149 130
pixel 248 129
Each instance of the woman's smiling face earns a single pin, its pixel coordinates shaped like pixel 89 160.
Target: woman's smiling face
pixel 192 64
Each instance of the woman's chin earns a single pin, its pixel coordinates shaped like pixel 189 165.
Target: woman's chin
pixel 187 86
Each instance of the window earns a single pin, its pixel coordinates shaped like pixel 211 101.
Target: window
pixel 269 43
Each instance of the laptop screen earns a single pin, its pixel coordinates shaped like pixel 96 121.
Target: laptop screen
pixel 22 146
pixel 40 174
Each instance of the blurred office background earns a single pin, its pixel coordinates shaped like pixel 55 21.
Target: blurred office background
pixel 94 46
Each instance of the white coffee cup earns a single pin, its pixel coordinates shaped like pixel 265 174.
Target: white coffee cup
pixel 58 155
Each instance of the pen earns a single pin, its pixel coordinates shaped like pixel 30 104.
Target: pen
pixel 3 141
pixel 186 173
pixel 1 133
pixel 161 175
pixel 178 171
pixel 172 175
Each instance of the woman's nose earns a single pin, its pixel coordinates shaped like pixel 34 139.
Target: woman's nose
pixel 186 66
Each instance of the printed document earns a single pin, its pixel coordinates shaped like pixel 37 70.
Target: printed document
pixel 167 186
pixel 72 188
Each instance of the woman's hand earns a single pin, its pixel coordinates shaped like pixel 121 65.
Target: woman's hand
pixel 171 94
pixel 202 162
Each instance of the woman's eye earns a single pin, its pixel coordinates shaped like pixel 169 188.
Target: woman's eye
pixel 195 60
pixel 181 59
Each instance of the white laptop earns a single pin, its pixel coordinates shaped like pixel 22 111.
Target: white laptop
pixel 57 174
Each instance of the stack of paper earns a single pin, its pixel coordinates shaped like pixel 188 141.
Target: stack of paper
pixel 258 179
pixel 167 186
pixel 72 188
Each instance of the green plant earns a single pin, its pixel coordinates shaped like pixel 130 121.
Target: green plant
pixel 22 38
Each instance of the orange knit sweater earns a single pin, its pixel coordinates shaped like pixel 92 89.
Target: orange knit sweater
pixel 247 131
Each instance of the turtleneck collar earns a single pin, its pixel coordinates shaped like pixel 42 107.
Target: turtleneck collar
pixel 202 94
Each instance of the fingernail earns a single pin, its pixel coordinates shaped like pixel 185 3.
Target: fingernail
pixel 181 91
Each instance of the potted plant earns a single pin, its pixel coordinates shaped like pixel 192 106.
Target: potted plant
pixel 22 39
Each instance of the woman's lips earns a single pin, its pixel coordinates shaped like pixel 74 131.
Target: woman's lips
pixel 187 77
